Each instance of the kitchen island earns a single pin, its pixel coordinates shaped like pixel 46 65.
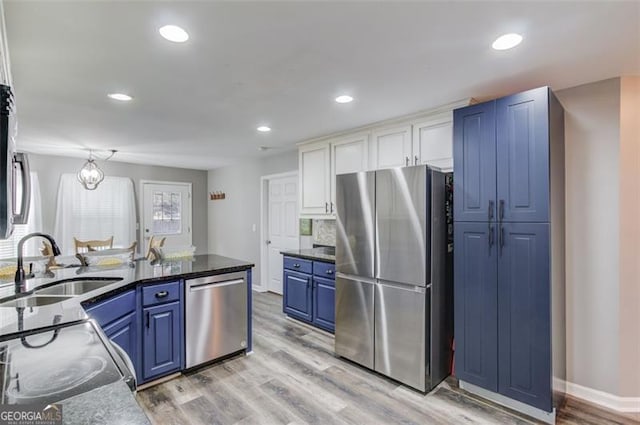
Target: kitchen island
pixel 132 305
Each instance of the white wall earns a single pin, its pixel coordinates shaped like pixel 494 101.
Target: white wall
pixel 49 169
pixel 592 137
pixel 629 365
pixel 231 220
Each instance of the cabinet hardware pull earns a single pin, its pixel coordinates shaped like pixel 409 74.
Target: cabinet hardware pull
pixel 490 237
pixel 490 212
pixel 326 207
pixel 501 239
pixel 332 207
pixel 162 294
pixel 329 271
pixel 416 159
pixel 147 320
pixel 406 161
pixel 297 266
pixel 501 212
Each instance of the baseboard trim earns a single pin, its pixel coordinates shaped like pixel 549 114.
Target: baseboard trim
pixel 534 412
pixel 604 399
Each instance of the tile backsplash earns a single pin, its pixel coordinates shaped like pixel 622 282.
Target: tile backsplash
pixel 324 233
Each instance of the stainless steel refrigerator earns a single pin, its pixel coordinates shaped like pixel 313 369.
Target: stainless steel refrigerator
pixel 394 286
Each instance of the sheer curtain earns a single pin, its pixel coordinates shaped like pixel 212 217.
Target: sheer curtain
pixel 110 210
pixel 8 247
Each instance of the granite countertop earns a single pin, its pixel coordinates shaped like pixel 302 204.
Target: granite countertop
pixel 324 253
pixel 112 404
pixel 71 310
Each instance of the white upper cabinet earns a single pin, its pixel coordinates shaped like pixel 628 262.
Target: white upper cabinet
pixel 391 147
pixel 348 155
pixel 315 184
pixel 425 138
pixel 433 141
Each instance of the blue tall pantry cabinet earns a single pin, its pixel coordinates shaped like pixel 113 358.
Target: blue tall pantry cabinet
pixel 509 251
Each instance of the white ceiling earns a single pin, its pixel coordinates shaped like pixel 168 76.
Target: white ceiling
pixel 197 104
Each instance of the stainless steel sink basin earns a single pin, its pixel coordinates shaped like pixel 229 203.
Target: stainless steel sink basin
pixel 34 301
pixel 76 287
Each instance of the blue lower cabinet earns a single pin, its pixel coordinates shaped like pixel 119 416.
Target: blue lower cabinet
pixel 297 295
pixel 476 304
pixel 161 340
pixel 324 305
pixel 524 313
pixel 310 292
pixel 124 333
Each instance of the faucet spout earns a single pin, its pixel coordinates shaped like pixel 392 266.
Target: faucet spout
pixel 20 275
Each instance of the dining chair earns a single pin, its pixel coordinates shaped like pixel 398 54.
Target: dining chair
pixel 95 245
pixel 154 242
pixel 47 251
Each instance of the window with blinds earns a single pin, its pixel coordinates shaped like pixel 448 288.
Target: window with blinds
pixel 99 214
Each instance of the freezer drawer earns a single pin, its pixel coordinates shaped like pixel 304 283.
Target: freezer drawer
pixel 401 333
pixel 216 317
pixel 354 320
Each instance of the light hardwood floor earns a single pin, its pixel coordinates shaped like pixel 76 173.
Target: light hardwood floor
pixel 293 377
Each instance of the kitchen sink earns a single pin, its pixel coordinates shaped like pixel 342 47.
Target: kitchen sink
pixel 76 287
pixel 34 301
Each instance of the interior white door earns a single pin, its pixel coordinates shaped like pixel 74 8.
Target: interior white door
pixel 166 211
pixel 283 226
pixel 391 148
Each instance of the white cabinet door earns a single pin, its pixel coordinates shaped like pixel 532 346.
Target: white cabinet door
pixel 433 141
pixel 315 186
pixel 391 148
pixel 348 155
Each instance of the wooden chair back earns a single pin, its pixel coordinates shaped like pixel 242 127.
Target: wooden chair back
pixel 47 251
pixel 154 242
pixel 94 245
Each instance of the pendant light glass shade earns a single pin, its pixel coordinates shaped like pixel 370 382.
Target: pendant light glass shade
pixel 90 176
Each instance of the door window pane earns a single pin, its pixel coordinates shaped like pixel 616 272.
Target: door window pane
pixel 167 213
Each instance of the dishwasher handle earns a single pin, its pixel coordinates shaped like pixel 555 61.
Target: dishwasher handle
pixel 203 286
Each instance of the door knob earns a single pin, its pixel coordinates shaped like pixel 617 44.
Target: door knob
pixel 268 242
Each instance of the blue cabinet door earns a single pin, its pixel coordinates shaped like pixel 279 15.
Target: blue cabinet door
pixel 475 304
pixel 297 295
pixel 523 156
pixel 524 314
pixel 124 333
pixel 161 339
pixel 474 162
pixel 324 303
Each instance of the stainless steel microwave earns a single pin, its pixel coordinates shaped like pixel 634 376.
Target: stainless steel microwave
pixel 15 188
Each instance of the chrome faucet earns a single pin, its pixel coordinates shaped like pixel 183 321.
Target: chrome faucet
pixel 20 276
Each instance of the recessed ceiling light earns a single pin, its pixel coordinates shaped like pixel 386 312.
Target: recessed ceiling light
pixel 264 129
pixel 344 99
pixel 507 41
pixel 174 33
pixel 120 96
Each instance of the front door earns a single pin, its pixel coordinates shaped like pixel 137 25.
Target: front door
pixel 166 211
pixel 283 226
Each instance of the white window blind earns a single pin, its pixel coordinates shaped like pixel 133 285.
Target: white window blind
pixel 8 247
pixel 110 210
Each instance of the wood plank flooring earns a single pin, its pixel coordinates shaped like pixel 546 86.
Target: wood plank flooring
pixel 293 378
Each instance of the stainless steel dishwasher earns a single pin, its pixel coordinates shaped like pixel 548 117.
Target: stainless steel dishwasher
pixel 216 317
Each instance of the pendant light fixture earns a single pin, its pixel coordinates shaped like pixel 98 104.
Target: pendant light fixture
pixel 90 175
